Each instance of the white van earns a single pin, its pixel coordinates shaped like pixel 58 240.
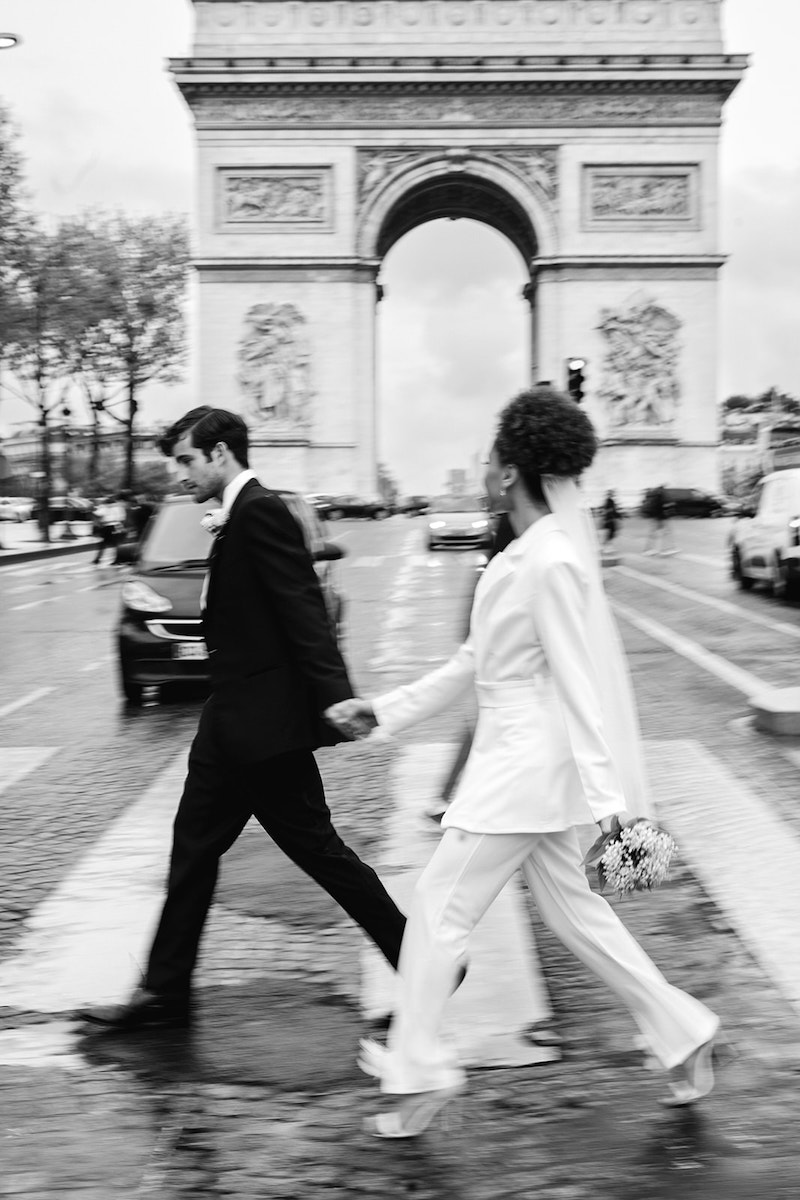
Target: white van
pixel 765 544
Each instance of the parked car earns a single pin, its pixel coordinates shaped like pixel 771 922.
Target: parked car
pixel 159 633
pixel 765 540
pixel 65 508
pixel 374 509
pixel 686 502
pixel 464 524
pixel 414 506
pixel 15 508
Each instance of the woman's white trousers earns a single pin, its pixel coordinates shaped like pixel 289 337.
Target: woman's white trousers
pixel 465 874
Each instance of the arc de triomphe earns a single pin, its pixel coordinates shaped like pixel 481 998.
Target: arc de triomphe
pixel 586 131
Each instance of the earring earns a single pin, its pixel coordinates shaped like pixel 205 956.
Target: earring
pixel 502 491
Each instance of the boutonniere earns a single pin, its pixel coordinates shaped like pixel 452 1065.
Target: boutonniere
pixel 215 520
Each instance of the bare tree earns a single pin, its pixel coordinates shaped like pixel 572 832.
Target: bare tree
pixel 142 337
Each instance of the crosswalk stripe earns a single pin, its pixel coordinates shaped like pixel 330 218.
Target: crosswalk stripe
pixel 86 941
pixel 18 761
pixel 745 855
pixel 30 698
pixel 504 992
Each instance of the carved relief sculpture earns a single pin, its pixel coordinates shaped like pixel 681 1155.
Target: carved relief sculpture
pixel 639 195
pixel 275 367
pixel 640 387
pixel 274 196
pixel 538 166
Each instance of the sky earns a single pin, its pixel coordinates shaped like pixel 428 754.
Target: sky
pixel 102 125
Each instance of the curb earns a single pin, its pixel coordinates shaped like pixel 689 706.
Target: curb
pixel 57 551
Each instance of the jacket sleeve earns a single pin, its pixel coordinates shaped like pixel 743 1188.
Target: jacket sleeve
pixel 285 573
pixel 414 702
pixel 559 606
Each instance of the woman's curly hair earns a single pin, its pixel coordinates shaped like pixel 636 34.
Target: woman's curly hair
pixel 543 432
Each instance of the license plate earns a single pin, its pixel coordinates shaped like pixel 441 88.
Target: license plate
pixel 190 650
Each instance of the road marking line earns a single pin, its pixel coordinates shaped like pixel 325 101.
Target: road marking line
pixel 725 606
pixel 18 761
pixel 31 698
pixel 101 662
pixel 35 603
pixel 85 942
pixel 504 991
pixel 734 676
pixel 745 855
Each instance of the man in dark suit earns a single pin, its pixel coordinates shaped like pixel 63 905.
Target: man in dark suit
pixel 275 668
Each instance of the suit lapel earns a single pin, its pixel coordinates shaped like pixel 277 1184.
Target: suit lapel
pixel 218 545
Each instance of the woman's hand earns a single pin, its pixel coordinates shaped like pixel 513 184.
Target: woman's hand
pixel 611 824
pixel 354 718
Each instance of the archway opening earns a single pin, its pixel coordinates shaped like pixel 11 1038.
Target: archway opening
pixel 454 344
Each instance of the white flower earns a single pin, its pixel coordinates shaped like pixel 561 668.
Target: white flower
pixel 638 858
pixel 214 520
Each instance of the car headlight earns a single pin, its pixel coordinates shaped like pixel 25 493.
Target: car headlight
pixel 479 524
pixel 142 598
pixel 436 524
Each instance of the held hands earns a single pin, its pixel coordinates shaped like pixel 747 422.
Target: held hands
pixel 354 718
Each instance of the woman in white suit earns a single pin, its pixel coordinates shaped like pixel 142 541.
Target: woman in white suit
pixel 556 746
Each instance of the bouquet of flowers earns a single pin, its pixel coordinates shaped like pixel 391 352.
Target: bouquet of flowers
pixel 632 858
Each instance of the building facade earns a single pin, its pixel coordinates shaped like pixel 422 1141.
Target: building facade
pixel 586 131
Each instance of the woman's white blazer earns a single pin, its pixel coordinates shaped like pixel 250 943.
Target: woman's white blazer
pixel 539 759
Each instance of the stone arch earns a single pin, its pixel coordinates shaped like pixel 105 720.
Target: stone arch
pixel 458 184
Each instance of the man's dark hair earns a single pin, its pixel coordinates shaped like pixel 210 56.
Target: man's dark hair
pixel 207 427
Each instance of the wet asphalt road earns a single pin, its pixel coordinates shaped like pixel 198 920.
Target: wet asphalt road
pixel 259 1108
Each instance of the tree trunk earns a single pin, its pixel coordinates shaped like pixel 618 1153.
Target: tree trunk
pixel 131 417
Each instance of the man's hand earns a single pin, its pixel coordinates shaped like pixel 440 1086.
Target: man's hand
pixel 354 718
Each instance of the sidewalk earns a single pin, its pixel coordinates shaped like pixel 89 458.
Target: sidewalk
pixel 23 542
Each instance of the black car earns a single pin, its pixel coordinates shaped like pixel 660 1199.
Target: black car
pixel 159 632
pixel 414 506
pixel 685 502
pixel 358 506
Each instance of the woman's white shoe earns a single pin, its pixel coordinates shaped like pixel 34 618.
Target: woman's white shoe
pixel 696 1078
pixel 413 1114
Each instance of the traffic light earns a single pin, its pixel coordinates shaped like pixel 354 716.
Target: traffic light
pixel 575 381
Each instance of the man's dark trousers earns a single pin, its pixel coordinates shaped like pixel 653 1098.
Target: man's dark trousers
pixel 286 796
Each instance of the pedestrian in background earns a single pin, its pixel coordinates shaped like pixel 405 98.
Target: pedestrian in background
pixel 557 746
pixel 110 518
pixel 660 511
pixel 610 518
pixel 275 667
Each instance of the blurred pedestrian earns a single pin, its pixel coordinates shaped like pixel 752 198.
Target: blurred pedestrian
pixel 610 518
pixel 660 511
pixel 275 667
pixel 109 520
pixel 557 746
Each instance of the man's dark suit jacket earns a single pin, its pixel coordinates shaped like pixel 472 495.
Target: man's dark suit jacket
pixel 275 665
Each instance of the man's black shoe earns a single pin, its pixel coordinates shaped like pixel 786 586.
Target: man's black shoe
pixel 144 1010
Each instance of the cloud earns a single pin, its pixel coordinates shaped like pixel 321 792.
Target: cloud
pixel 453 347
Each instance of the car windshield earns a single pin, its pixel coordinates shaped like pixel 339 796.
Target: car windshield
pixel 176 536
pixel 447 504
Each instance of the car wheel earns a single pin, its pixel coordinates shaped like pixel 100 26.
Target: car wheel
pixel 744 581
pixel 381 514
pixel 131 690
pixel 778 583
